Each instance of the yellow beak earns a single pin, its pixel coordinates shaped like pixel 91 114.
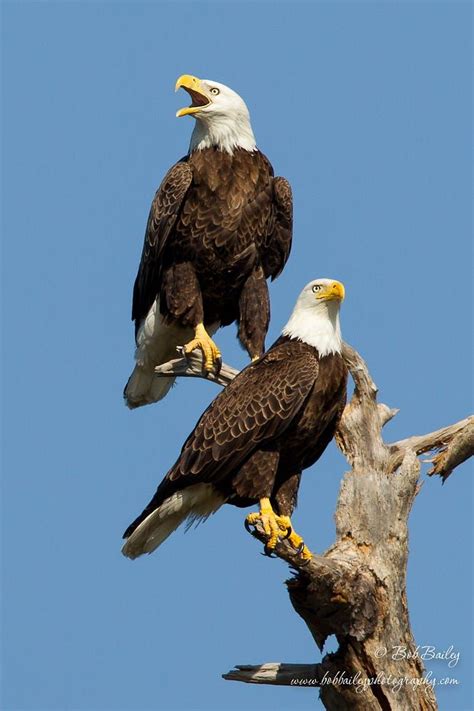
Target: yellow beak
pixel 195 89
pixel 335 290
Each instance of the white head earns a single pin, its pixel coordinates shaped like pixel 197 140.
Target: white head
pixel 315 318
pixel 222 117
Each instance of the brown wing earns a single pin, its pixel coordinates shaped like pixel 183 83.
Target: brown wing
pixel 257 407
pixel 164 210
pixel 276 249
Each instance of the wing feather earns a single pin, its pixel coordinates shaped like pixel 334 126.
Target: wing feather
pixel 256 407
pixel 278 245
pixel 164 211
pixel 247 417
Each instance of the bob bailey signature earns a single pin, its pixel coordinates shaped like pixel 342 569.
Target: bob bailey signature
pixel 427 653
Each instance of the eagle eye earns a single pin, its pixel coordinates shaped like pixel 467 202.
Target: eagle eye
pixel 215 91
pixel 316 288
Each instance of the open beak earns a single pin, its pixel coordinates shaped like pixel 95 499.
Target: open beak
pixel 196 91
pixel 334 291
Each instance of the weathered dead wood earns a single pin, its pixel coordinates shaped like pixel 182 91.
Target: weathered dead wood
pixel 356 590
pixel 191 367
pixel 277 674
pixel 455 444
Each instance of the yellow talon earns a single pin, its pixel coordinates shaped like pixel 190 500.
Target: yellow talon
pixel 277 527
pixel 273 525
pixel 296 540
pixel 211 354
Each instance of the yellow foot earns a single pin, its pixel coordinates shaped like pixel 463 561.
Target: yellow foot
pixel 297 542
pixel 276 528
pixel 212 359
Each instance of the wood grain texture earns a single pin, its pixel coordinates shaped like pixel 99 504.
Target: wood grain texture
pixel 356 590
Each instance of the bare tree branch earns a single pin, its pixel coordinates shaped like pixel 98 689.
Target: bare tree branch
pixel 359 434
pixel 455 444
pixel 277 674
pixel 364 385
pixel 356 590
pixel 191 366
pixel 458 451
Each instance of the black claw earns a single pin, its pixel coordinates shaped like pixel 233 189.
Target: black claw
pixel 288 533
pixel 247 527
pixel 269 552
pixel 300 548
pixel 218 365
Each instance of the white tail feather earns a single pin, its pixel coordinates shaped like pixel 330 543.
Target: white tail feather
pixel 144 388
pixel 195 502
pixel 156 344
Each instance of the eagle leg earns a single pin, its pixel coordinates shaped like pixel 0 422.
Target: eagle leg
pixel 211 354
pixel 275 527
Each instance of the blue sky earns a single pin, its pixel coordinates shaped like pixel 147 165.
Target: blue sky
pixel 366 109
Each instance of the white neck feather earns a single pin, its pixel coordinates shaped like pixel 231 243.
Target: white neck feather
pixel 317 325
pixel 224 132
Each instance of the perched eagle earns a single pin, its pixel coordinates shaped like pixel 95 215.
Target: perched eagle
pixel 220 224
pixel 252 443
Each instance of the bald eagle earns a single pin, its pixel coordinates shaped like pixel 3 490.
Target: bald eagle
pixel 220 225
pixel 252 443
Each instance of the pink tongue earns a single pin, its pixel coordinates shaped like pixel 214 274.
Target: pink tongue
pixel 198 99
